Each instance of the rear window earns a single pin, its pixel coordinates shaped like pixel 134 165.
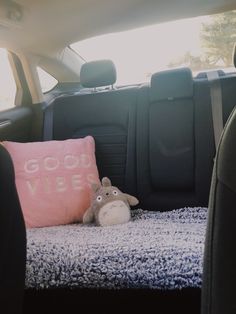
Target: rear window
pixel 200 43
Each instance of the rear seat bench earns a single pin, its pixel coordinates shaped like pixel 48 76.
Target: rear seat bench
pixel 155 142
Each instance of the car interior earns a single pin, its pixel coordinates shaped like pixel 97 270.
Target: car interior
pixel 167 139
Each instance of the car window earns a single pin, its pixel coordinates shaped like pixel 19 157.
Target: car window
pixel 47 81
pixel 7 82
pixel 201 43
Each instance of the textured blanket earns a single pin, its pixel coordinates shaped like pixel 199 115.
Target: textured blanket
pixel 154 250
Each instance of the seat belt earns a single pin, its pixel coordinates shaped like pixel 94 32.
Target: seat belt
pixel 216 105
pixel 48 124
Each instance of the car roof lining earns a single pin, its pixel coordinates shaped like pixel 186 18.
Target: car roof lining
pixel 47 27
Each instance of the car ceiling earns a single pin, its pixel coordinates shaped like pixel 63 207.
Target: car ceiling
pixel 46 26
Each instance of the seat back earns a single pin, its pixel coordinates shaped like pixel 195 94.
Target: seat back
pixel 218 293
pixel 156 141
pixel 165 141
pixel 12 240
pixel 109 116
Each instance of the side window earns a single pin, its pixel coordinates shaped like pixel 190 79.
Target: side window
pixel 7 82
pixel 47 81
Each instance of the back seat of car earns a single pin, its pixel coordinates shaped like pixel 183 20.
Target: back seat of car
pixel 155 141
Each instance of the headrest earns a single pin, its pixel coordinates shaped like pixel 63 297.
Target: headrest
pixel 171 84
pixel 234 55
pixel 98 73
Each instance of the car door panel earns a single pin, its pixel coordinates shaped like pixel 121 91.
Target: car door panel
pixel 16 124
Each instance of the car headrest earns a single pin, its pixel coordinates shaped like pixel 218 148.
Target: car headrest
pixel 98 73
pixel 171 84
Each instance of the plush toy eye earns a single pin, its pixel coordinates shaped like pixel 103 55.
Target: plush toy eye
pixel 115 192
pixel 99 198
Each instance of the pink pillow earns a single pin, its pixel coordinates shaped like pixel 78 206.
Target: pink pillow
pixel 53 179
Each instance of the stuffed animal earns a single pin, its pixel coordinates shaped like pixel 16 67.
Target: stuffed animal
pixel 109 205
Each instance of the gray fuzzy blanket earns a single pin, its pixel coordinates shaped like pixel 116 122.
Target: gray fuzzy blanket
pixel 154 250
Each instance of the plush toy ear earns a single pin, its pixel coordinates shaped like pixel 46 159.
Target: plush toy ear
pixel 106 182
pixel 131 200
pixel 95 187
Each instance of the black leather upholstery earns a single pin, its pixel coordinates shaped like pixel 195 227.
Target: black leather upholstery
pixel 234 55
pixel 108 116
pixel 155 141
pixel 12 240
pixel 175 147
pixel 98 73
pixel 219 292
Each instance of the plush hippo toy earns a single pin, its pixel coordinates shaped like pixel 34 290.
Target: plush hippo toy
pixel 109 205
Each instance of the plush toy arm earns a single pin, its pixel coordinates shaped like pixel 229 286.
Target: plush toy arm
pixel 88 216
pixel 132 200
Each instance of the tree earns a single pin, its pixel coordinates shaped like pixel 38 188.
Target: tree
pixel 196 63
pixel 218 38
